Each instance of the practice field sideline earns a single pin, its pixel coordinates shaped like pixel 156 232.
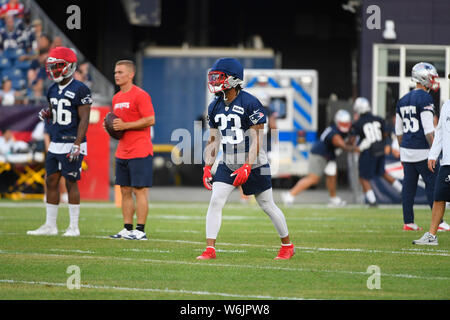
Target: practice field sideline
pixel 334 249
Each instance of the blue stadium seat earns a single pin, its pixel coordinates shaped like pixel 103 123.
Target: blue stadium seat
pixel 19 84
pixel 12 74
pixel 11 53
pixel 5 63
pixel 22 65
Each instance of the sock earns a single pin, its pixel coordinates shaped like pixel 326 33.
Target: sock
pixel 140 227
pixel 52 214
pixel 397 186
pixel 74 213
pixel 370 195
pixel 286 245
pixel 127 226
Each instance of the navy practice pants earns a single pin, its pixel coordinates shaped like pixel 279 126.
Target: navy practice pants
pixel 411 171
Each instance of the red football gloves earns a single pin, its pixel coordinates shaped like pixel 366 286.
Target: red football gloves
pixel 207 177
pixel 241 175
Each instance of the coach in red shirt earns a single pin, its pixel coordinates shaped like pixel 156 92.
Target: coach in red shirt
pixel 134 154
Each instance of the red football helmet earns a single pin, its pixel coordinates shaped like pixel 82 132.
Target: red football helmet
pixel 61 63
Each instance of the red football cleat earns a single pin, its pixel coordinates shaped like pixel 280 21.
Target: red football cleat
pixel 286 252
pixel 209 253
pixel 412 227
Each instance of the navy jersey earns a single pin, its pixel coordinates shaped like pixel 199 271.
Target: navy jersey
pixel 409 108
pixel 324 146
pixel 233 121
pixel 370 132
pixel 65 103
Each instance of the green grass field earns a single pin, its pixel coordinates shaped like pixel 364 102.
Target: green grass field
pixel 334 248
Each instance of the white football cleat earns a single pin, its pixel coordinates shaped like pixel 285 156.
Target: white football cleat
pixel 44 230
pixel 427 239
pixel 336 202
pixel 121 234
pixel 72 232
pixel 287 198
pixel 135 235
pixel 444 226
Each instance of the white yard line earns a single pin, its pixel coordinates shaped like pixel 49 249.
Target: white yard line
pixel 69 250
pixel 174 291
pixel 223 265
pixel 403 251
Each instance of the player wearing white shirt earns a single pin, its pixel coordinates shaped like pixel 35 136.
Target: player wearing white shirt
pixel 442 189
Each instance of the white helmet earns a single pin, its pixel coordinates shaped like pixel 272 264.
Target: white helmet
pixel 425 74
pixel 343 120
pixel 361 105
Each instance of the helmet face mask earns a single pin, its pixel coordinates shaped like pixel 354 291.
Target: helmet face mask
pixel 218 81
pixel 434 83
pixel 226 73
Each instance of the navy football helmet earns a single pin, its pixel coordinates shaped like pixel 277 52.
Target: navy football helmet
pixel 226 73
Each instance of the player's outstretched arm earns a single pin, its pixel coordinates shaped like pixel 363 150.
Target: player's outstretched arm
pixel 339 142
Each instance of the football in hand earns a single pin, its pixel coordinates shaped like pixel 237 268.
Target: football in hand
pixel 109 119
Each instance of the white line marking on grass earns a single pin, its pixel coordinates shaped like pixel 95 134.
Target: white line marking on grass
pixel 444 253
pixel 177 231
pixel 175 291
pixel 403 251
pixel 76 251
pixel 223 265
pixel 144 250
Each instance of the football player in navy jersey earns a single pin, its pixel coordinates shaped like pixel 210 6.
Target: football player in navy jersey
pixel 236 119
pixel 370 133
pixel 414 128
pixel 68 119
pixel 322 159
